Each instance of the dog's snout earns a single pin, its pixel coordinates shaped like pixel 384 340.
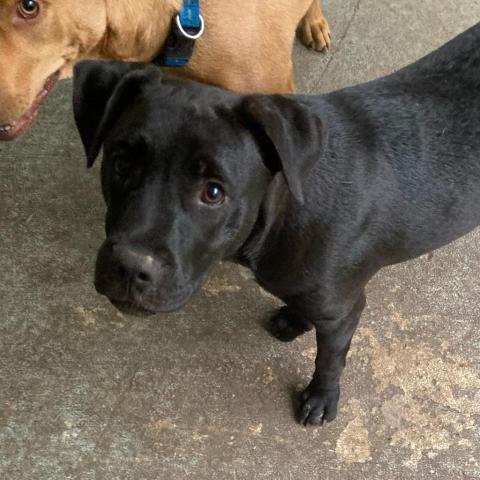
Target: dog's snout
pixel 139 268
pixel 139 280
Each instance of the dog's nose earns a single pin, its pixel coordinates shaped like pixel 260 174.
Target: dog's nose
pixel 139 267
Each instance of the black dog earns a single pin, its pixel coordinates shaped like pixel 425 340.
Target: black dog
pixel 313 193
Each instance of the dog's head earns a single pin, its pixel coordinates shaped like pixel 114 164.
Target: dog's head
pixel 185 170
pixel 39 41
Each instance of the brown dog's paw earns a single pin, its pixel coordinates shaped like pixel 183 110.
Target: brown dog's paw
pixel 315 29
pixel 318 406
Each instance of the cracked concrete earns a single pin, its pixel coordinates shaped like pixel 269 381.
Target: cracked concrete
pixel 205 393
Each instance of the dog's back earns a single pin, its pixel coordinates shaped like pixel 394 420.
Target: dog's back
pixel 434 141
pixel 453 67
pixel 405 151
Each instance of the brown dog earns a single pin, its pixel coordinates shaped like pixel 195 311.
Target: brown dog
pixel 246 47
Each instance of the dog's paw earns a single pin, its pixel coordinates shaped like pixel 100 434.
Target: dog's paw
pixel 316 31
pixel 284 326
pixel 318 406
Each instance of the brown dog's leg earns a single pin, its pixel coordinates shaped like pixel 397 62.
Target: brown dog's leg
pixel 315 28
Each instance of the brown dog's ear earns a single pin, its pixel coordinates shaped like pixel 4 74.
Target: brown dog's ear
pixel 295 133
pixel 100 92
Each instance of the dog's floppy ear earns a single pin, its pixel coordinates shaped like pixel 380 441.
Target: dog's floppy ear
pixel 101 89
pixel 295 133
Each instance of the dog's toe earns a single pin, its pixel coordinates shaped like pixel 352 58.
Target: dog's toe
pixel 316 34
pixel 318 406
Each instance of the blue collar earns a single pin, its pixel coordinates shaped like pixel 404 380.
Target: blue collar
pixel 187 27
pixel 190 15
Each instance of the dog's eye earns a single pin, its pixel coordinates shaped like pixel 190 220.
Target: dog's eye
pixel 123 167
pixel 213 194
pixel 28 9
pixel 127 172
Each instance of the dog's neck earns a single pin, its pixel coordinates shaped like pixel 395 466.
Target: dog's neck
pixel 269 219
pixel 137 29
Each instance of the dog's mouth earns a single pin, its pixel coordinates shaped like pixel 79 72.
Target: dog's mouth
pixel 131 308
pixel 145 309
pixel 168 302
pixel 13 130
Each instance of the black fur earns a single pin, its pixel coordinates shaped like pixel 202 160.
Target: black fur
pixel 321 191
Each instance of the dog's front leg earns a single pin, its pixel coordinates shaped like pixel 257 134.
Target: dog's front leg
pixel 315 29
pixel 334 335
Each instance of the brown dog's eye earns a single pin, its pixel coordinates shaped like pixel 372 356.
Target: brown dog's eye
pixel 28 9
pixel 213 194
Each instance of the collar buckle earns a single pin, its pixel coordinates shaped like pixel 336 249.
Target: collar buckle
pixel 187 27
pixel 187 34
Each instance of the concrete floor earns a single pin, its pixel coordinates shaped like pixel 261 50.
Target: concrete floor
pixel 87 393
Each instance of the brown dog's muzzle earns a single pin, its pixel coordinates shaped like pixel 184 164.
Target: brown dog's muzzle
pixel 19 110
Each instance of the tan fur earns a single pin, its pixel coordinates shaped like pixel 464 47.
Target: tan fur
pixel 246 47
